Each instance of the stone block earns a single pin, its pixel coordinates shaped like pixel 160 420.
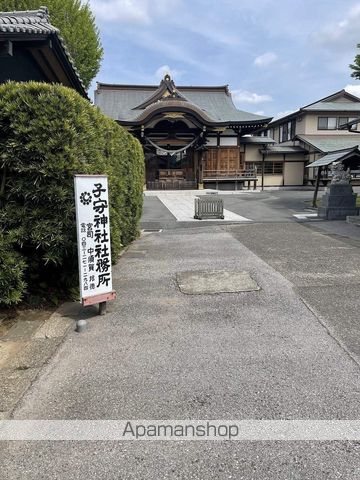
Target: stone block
pixel 338 202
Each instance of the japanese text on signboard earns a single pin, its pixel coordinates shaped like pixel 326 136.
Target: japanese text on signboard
pixel 93 227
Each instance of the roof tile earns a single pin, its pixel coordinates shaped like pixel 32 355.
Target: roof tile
pixel 119 101
pixel 34 22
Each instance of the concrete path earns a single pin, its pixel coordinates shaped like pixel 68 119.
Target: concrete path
pixel 161 354
pixel 182 207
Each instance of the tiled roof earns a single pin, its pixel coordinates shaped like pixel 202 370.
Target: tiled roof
pixel 334 107
pixel 280 149
pixel 332 157
pixel 257 140
pixel 341 101
pixel 32 21
pixel 120 101
pixel 35 22
pixel 330 143
pixel 172 103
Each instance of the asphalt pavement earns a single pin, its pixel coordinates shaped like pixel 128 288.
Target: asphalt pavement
pixel 286 351
pixel 268 206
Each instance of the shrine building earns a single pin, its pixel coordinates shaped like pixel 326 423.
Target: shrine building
pixel 193 137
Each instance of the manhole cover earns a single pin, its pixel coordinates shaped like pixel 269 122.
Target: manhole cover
pixel 199 282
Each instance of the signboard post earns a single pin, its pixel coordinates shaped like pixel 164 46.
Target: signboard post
pixel 93 236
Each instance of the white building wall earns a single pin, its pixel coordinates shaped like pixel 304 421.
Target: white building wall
pixel 252 153
pixel 293 173
pixel 310 123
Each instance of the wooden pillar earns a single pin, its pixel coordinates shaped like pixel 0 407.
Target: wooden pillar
pixel 317 186
pixel 283 174
pixel 262 172
pixel 196 165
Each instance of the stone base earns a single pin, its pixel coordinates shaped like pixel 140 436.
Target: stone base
pixel 354 220
pixel 336 213
pixel 338 202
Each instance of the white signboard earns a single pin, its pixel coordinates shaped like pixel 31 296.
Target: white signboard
pixel 93 235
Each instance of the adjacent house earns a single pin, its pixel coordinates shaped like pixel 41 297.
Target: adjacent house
pixel 315 130
pixel 32 49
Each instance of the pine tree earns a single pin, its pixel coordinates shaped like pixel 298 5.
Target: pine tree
pixel 356 65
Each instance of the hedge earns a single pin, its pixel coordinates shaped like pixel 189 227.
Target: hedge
pixel 47 134
pixel 12 267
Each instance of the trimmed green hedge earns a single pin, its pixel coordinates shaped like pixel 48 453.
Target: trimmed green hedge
pixel 12 267
pixel 47 134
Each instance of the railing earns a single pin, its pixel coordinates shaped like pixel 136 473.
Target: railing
pixel 206 207
pixel 171 184
pixel 229 173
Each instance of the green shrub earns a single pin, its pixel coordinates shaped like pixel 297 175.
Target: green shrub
pixel 47 134
pixel 12 266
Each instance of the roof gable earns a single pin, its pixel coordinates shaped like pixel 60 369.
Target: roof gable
pixel 166 90
pixel 340 101
pixel 333 107
pixel 126 103
pixel 340 96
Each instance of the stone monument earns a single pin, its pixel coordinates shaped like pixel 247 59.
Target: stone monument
pixel 339 200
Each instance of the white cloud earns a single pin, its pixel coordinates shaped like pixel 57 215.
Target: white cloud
pixel 175 51
pixel 260 112
pixel 265 59
pixel 341 34
pixel 353 89
pixel 243 96
pixel 164 69
pixel 140 12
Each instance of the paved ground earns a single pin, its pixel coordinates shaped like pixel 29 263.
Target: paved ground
pixel 287 351
pixel 182 208
pixel 267 206
pixel 27 342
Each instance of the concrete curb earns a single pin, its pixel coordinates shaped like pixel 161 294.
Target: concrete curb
pixel 26 348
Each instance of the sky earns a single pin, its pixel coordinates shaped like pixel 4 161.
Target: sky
pixel 275 55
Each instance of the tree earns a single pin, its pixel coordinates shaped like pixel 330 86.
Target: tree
pixel 77 26
pixel 356 65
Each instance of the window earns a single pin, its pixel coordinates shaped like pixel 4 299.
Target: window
pixel 273 168
pixel 327 123
pixel 332 123
pixel 287 131
pixel 253 166
pixel 270 168
pixel 343 120
pixel 322 123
